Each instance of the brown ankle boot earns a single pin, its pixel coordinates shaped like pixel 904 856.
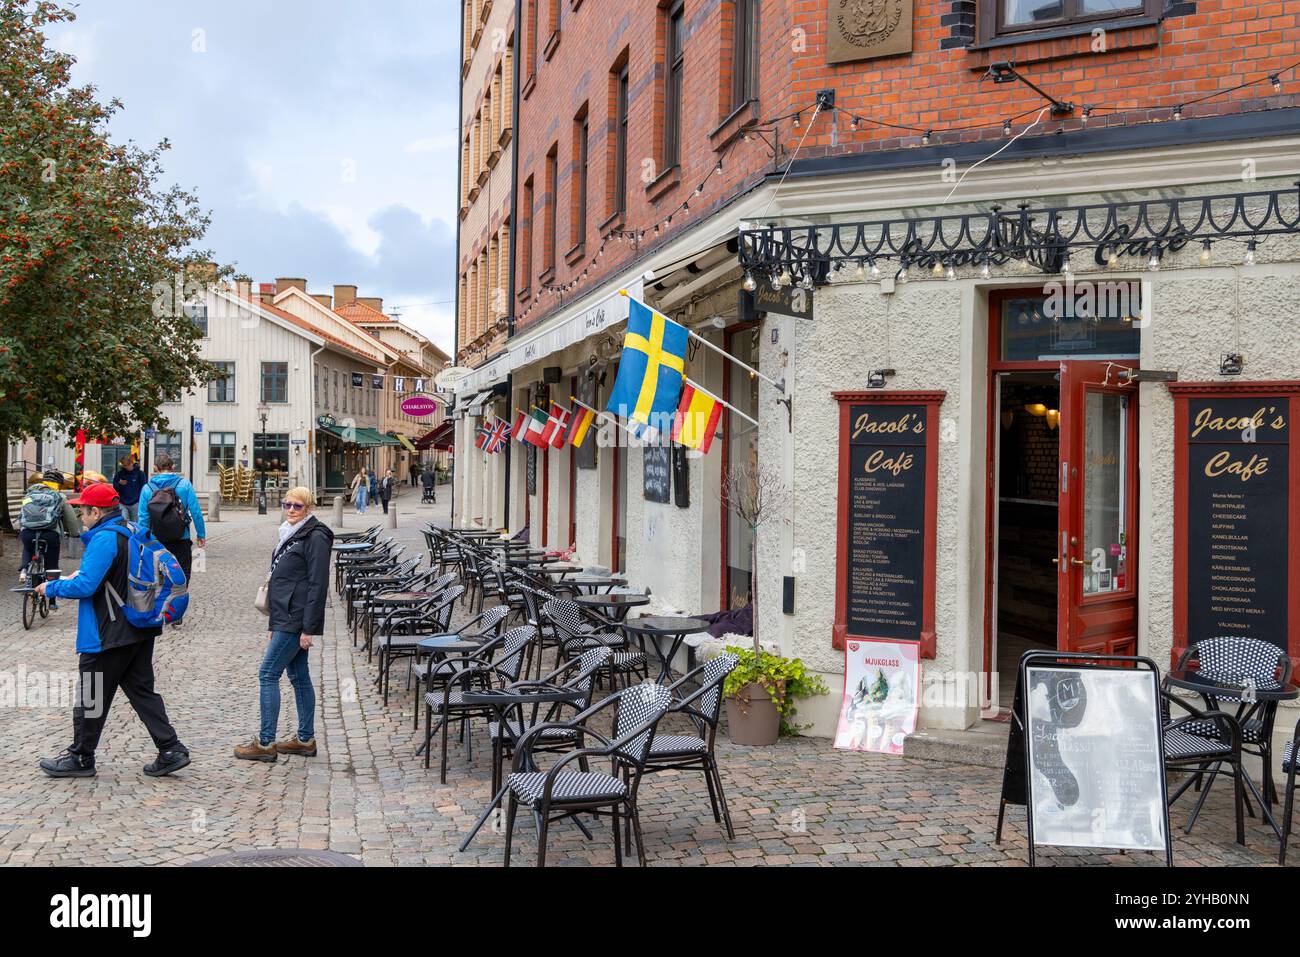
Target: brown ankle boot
pixel 256 751
pixel 292 745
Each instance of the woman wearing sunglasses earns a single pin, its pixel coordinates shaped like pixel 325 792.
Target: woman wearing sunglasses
pixel 296 591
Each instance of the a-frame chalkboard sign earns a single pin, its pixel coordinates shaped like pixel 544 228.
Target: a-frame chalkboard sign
pixel 1085 756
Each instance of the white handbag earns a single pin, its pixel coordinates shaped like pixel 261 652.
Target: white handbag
pixel 263 600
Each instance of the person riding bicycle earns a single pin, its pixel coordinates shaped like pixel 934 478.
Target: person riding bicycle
pixel 45 516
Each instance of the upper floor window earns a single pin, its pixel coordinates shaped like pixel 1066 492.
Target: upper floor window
pixel 223 389
pixel 275 382
pixel 1009 17
pixel 581 139
pixel 198 313
pixel 620 141
pixel 673 86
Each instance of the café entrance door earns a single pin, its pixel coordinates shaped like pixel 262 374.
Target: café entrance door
pixel 1061 561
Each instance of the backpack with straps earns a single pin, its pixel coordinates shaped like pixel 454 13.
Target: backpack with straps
pixel 157 593
pixel 42 510
pixel 168 517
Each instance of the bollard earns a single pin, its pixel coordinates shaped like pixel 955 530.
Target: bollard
pixel 214 505
pixel 338 511
pixel 392 515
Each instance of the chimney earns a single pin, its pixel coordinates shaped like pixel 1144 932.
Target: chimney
pixel 373 302
pixel 343 295
pixel 281 284
pixel 244 288
pixel 266 292
pixel 324 299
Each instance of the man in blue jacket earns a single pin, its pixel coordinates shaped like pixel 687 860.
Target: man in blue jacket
pixel 113 653
pixel 166 477
pixel 128 481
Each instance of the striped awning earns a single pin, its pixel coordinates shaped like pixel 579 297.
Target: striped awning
pixel 406 443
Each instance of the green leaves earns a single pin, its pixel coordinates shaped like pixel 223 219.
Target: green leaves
pixel 786 679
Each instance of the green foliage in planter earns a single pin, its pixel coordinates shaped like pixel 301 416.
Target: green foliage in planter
pixel 785 679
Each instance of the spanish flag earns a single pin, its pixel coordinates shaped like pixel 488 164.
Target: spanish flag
pixel 696 419
pixel 579 426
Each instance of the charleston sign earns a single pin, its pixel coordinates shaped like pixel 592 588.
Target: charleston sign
pixel 419 406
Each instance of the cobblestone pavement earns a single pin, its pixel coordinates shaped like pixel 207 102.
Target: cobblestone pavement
pixel 366 794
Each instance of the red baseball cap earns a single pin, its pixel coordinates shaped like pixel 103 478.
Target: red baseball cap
pixel 97 495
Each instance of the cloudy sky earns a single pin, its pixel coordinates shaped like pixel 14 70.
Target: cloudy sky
pixel 321 134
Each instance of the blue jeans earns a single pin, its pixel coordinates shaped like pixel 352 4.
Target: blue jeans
pixel 362 492
pixel 283 652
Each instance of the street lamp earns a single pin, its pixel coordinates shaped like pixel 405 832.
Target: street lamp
pixel 263 410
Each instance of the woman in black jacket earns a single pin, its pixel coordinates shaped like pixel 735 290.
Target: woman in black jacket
pixel 297 588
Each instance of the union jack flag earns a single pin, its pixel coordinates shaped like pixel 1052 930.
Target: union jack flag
pixel 498 435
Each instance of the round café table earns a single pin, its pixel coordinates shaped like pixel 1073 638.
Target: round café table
pixel 349 547
pixel 595 582
pixel 616 605
pixel 1256 705
pixel 440 646
pixel 656 627
pixel 516 698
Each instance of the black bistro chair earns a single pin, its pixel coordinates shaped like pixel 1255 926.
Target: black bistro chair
pixel 559 793
pixel 1199 754
pixel 401 635
pixel 695 752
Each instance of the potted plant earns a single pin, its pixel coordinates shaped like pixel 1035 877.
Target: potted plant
pixel 760 695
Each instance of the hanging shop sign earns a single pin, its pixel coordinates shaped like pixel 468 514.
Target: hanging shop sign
pixel 376 382
pixel 1085 754
pixel 881 695
pixel 866 29
pixel 419 406
pixel 1236 513
pixel 681 477
pixel 793 301
pixel 657 473
pixel 888 499
pixel 325 421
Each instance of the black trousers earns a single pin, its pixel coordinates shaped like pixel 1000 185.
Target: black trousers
pixel 184 552
pixel 102 673
pixel 383 500
pixel 30 536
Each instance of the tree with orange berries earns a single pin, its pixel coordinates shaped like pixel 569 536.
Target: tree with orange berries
pixel 87 238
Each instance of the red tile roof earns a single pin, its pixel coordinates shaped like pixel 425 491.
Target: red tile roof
pixel 303 324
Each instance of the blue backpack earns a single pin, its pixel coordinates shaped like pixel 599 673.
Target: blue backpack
pixel 157 593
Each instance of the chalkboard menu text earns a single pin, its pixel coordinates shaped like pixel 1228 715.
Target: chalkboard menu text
pixel 1235 513
pixel 657 473
pixel 887 504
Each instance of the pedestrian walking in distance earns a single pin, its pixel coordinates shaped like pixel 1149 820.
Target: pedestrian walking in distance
pixel 129 481
pixel 430 490
pixel 296 592
pixel 113 653
pixel 168 506
pixel 360 490
pixel 414 473
pixel 386 485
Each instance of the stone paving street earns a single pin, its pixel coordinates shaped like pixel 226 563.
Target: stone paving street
pixel 367 795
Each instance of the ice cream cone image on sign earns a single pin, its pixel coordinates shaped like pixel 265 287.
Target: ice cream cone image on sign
pixel 880 695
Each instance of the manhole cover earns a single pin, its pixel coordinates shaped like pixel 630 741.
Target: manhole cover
pixel 280 858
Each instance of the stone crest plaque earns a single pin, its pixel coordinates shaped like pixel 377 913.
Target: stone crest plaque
pixel 865 29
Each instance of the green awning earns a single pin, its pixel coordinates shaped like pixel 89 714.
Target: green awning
pixel 359 435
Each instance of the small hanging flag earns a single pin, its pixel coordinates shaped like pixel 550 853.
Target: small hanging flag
pixel 557 426
pixel 484 432
pixel 497 437
pixel 578 428
pixel 696 419
pixel 520 428
pixel 535 429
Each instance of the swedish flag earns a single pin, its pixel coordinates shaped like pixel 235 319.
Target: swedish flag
pixel 649 382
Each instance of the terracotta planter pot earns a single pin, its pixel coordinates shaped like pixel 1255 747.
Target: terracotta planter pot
pixel 752 717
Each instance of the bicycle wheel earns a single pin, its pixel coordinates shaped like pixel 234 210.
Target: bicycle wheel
pixel 29 609
pixel 43 606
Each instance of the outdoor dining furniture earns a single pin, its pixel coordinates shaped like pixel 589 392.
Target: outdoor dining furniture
pixel 657 627
pixel 574 631
pixel 1202 755
pixel 592 584
pixel 687 752
pixel 557 793
pixel 1289 766
pixel 617 606
pixel 1254 665
pixel 393 644
pixel 466 675
pixel 483 629
pixel 1251 697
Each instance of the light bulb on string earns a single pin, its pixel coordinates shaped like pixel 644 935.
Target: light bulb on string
pixel 985 271
pixel 1065 265
pixel 1250 253
pixel 1153 263
pixel 860 274
pixel 1178 113
pixel 783 277
pixel 951 273
pixel 1112 258
pixel 853 124
pixel 925 138
pixel 796 120
pixel 1086 115
pixel 1006 127
pixel 807 281
pixel 1206 255
pixel 750 283
pixel 902 273
pixel 1276 80
pixel 937 271
pixel 875 269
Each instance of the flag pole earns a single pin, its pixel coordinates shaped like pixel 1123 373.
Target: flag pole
pixel 604 415
pixel 779 386
pixel 721 402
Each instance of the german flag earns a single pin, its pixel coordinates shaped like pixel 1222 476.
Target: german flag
pixel 697 419
pixel 578 427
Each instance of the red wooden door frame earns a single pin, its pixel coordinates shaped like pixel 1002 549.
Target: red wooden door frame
pixel 573 480
pixel 724 518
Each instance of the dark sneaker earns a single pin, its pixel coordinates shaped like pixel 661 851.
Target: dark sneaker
pixel 256 751
pixel 295 745
pixel 167 762
pixel 54 605
pixel 69 765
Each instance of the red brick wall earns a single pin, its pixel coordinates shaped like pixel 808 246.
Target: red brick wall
pixel 1202 47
